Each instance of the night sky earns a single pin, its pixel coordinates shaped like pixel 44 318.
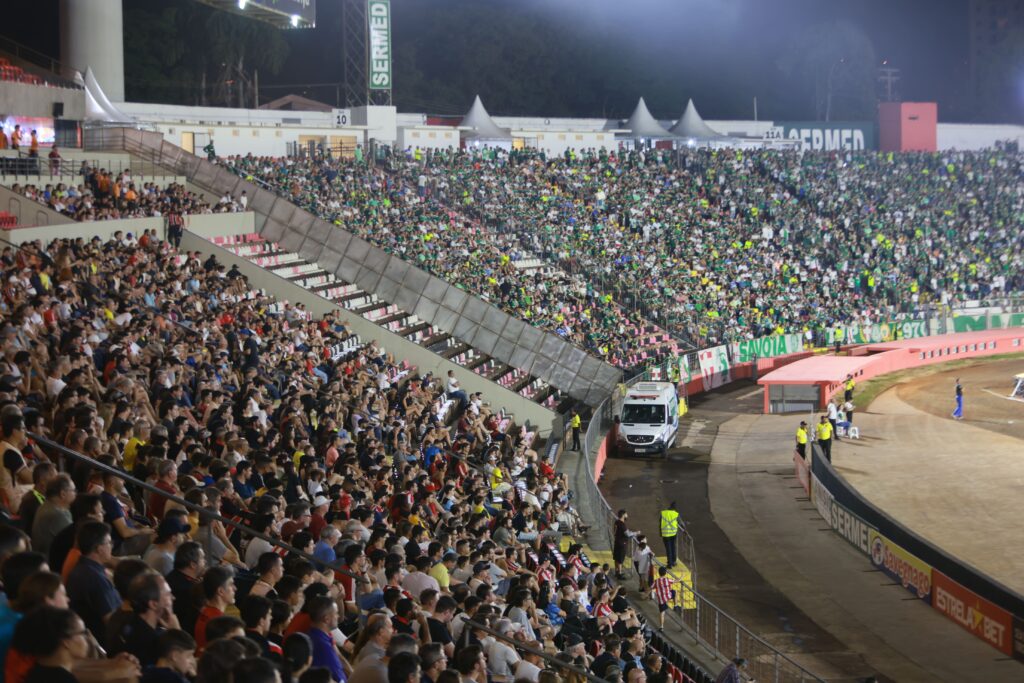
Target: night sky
pixel 722 53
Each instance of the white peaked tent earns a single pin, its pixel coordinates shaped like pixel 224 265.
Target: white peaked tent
pixel 481 126
pixel 97 106
pixel 691 125
pixel 642 125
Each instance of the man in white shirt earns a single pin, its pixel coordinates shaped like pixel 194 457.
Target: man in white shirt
pixel 418 581
pixel 501 657
pixel 455 391
pixel 529 667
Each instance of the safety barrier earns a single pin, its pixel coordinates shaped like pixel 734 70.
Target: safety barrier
pixel 964 594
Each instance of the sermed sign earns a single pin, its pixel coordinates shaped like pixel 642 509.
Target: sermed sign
pixel 379 17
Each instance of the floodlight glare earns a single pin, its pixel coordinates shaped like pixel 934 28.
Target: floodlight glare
pixel 241 4
pixel 295 20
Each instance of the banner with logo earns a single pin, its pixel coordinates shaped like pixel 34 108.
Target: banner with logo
pixel 855 530
pixel 379 17
pixel 826 135
pixel 912 573
pixel 885 332
pixel 767 347
pixel 980 323
pixel 714 367
pixel 973 613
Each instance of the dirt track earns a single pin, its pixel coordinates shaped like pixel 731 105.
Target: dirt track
pixel 986 386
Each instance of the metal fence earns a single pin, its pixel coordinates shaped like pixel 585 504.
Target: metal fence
pixel 708 624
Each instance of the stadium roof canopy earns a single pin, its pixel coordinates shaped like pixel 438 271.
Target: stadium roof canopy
pixel 480 124
pixel 279 13
pixel 643 125
pixel 691 125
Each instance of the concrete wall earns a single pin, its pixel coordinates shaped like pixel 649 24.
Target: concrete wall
pixel 447 307
pixel 525 410
pixel 29 212
pixel 427 137
pixel 23 99
pixel 967 136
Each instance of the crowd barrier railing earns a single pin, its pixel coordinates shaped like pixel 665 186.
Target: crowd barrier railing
pixel 964 594
pixel 705 622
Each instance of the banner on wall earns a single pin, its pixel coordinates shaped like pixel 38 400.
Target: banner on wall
pixel 855 530
pixel 980 323
pixel 828 136
pixel 767 347
pixel 912 573
pixel 973 613
pixel 714 367
pixel 885 332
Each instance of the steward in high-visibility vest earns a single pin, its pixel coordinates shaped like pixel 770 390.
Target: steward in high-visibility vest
pixel 575 423
pixel 801 440
pixel 848 388
pixel 669 531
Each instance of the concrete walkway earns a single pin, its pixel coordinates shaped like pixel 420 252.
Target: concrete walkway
pixel 761 508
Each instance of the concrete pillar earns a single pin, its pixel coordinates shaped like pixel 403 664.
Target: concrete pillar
pixel 91 35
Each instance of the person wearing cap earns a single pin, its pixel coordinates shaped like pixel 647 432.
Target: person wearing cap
pixel 576 649
pixel 172 532
pixel 502 658
pixel 481 575
pixel 317 521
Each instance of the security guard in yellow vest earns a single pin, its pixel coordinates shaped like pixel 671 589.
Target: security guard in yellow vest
pixel 575 422
pixel 801 440
pixel 848 388
pixel 669 531
pixel 825 437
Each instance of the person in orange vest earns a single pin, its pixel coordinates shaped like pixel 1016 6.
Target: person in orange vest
pixel 16 138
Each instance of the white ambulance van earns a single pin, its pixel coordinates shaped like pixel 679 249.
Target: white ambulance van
pixel 649 421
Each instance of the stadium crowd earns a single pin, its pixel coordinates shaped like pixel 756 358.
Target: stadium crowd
pixel 415 521
pixel 104 195
pixel 724 246
pixel 393 208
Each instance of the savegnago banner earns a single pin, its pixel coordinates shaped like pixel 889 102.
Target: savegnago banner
pixel 912 573
pixel 767 347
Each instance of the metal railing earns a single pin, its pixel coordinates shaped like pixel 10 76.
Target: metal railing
pixel 707 623
pixel 71 170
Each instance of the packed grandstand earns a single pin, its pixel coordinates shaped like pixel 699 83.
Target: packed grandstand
pixel 203 481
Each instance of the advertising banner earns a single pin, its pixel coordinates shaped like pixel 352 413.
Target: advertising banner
pixel 980 323
pixel 1018 638
pixel 848 525
pixel 912 573
pixel 826 135
pixel 714 367
pixel 973 613
pixel 884 332
pixel 379 15
pixel 768 347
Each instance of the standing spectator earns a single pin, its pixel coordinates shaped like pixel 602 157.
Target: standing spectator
pixel 16 137
pixel 825 437
pixel 55 161
pixel 958 412
pixel 643 563
pixel 175 228
pixel 663 594
pixel 91 593
pixel 621 546
pixel 848 409
pixel 833 417
pixel 33 145
pixel 55 514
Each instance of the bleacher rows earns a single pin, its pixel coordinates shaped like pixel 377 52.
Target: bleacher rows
pixel 312 277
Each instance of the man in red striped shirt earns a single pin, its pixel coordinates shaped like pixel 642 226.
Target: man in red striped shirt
pixel 663 593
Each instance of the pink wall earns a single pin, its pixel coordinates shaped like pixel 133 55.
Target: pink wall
pixel 908 126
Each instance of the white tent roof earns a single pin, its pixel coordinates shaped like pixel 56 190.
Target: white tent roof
pixel 97 106
pixel 481 124
pixel 691 125
pixel 643 125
